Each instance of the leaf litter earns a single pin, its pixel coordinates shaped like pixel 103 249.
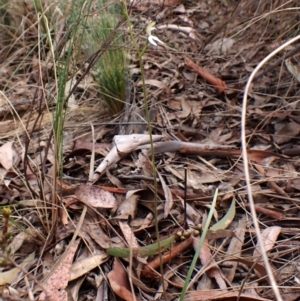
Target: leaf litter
pixel 194 94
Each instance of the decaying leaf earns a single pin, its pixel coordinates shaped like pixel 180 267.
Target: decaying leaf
pixel 293 69
pixel 129 206
pixel 269 237
pixel 168 195
pixel 9 276
pixel 85 265
pixel 286 131
pixel 95 196
pixel 235 248
pixel 118 280
pixel 20 239
pixel 128 234
pixel 8 156
pixel 220 46
pixel 58 281
pixel 156 83
pixel 213 271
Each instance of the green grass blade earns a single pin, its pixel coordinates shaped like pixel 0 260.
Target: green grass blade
pixel 193 264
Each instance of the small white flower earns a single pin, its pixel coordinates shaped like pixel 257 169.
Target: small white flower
pixel 151 38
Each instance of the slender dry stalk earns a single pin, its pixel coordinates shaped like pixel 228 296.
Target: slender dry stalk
pixel 246 166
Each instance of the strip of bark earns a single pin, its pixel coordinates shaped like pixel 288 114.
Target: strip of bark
pixel 217 82
pixel 148 269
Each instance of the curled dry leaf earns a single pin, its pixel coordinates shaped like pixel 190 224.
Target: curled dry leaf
pixel 269 237
pixel 85 265
pixel 168 195
pixel 128 234
pixel 8 156
pixel 156 83
pixel 8 277
pixel 235 248
pixel 118 280
pixel 184 113
pixel 286 131
pixel 129 206
pixel 293 69
pixel 19 240
pixel 208 260
pixel 95 196
pixel 186 29
pixel 220 46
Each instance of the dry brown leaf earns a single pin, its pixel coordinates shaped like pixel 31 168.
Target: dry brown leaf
pixel 92 227
pixel 291 293
pixel 100 148
pixel 269 237
pixel 207 260
pixel 286 131
pixel 142 223
pixel 8 156
pixel 221 233
pixel 220 46
pixel 118 280
pixel 168 196
pixel 9 276
pixel 83 266
pixel 129 206
pixel 156 83
pixel 259 209
pixel 95 196
pixel 184 113
pixel 20 239
pixel 74 287
pixel 235 248
pixel 196 178
pixel 58 281
pixel 257 267
pixel 128 234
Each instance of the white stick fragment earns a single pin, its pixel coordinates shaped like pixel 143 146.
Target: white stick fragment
pixel 123 145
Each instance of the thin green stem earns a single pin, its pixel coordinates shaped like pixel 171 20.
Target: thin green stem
pixel 147 117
